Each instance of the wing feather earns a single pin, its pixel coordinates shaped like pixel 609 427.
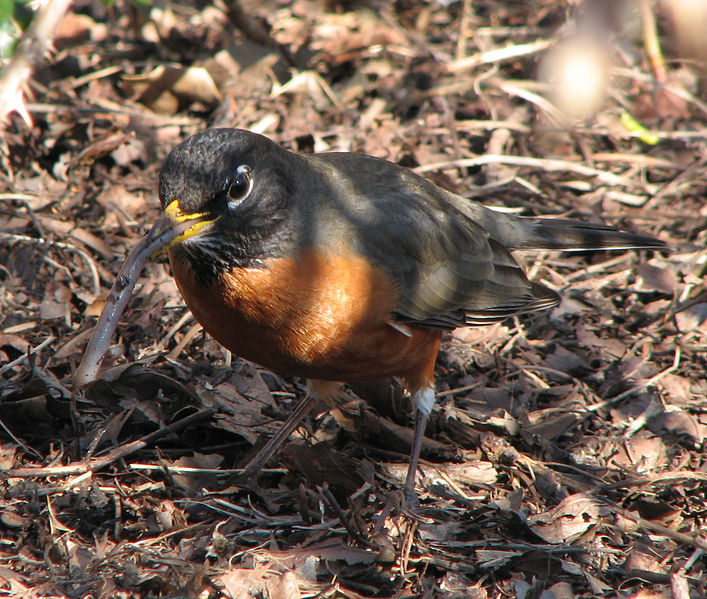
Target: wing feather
pixel 449 271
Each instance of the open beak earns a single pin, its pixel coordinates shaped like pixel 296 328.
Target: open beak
pixel 174 220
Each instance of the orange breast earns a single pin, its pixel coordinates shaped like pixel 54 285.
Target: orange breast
pixel 317 316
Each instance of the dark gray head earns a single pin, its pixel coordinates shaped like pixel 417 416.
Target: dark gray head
pixel 243 183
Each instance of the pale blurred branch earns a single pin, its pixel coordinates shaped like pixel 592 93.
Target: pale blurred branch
pixel 32 51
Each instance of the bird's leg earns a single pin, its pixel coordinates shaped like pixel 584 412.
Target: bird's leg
pixel 329 392
pixel 273 445
pixel 422 401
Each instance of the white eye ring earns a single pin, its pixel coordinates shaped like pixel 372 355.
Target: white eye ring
pixel 240 186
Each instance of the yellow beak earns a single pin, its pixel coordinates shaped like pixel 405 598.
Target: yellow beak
pixel 174 227
pixel 175 216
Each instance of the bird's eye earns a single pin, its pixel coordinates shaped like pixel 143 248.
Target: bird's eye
pixel 241 185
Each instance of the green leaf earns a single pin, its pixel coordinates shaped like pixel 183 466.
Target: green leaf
pixel 634 126
pixel 7 7
pixel 10 32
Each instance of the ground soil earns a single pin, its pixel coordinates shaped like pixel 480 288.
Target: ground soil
pixel 566 454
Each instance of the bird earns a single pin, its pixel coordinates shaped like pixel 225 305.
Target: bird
pixel 340 267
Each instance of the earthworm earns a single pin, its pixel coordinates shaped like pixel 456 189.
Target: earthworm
pixel 159 237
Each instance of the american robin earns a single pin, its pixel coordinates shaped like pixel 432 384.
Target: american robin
pixel 340 267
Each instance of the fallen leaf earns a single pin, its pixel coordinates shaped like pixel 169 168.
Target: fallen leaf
pixel 644 452
pixel 56 302
pixel 679 422
pixel 693 318
pixel 283 587
pixel 657 278
pixel 569 520
pixel 166 86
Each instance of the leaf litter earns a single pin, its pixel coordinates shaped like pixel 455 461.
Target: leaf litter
pixel 566 456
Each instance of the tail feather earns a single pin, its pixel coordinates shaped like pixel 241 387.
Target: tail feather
pixel 571 235
pixel 520 232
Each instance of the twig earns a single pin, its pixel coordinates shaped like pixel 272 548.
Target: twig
pixel 499 55
pixel 513 89
pixel 647 78
pixel 458 390
pixel 650 41
pixel 51 381
pixel 24 357
pixel 173 331
pixel 95 279
pixel 680 537
pixel 695 169
pixel 637 160
pixel 27 200
pixel 406 546
pixel 527 161
pixel 96 464
pixel 641 386
pixel 333 504
pixel 464 21
pixel 223 472
pixel 663 477
pixel 603 266
pixel 696 554
pixel 193 331
pixel 31 52
pixel 254 466
pixel 12 436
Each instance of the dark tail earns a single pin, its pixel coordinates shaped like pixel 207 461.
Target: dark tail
pixel 518 232
pixel 573 235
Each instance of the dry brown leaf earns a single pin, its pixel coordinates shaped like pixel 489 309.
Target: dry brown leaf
pixel 643 559
pixel 239 414
pixel 657 278
pixel 66 228
pixel 320 465
pixel 16 582
pixel 455 585
pixel 8 451
pixel 551 425
pixel 679 422
pixel 75 28
pixel 693 318
pixel 439 531
pixel 394 437
pixel 120 202
pixel 166 86
pixel 569 520
pixel 283 587
pixel 196 85
pixel 565 361
pixel 14 341
pixel 243 583
pixel 472 473
pixel 643 453
pixel 494 558
pixel 131 151
pixel 56 302
pixel 197 480
pixel 343 35
pixel 560 590
pixel 613 348
pixel 12 519
pixel 92 144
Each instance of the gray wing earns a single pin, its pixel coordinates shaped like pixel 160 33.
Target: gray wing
pixel 449 270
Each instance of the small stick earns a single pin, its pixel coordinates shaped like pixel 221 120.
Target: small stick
pixel 31 52
pixel 95 464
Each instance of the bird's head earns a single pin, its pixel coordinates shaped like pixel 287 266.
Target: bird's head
pixel 236 187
